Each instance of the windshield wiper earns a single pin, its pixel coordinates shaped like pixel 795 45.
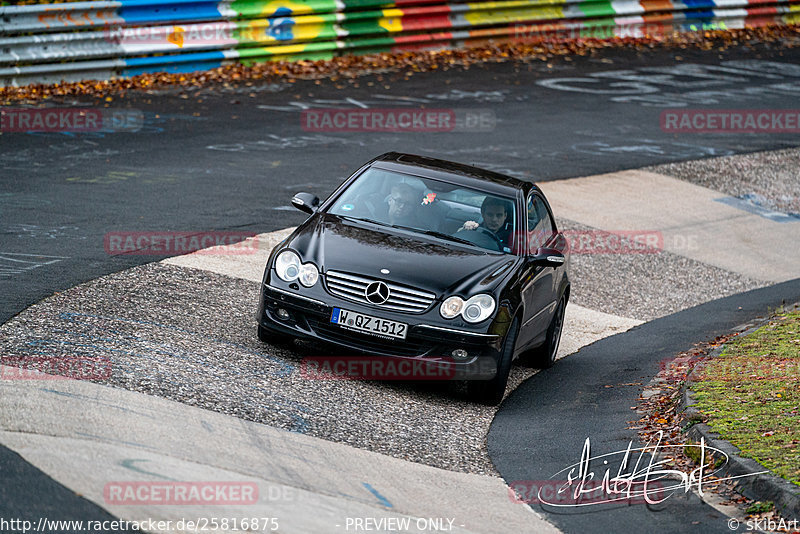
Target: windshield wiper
pixel 434 233
pixel 442 235
pixel 363 219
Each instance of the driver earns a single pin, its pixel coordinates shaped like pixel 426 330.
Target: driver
pixel 495 219
pixel 403 202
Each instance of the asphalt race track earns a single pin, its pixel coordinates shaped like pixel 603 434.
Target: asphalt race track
pixel 578 386
pixel 229 160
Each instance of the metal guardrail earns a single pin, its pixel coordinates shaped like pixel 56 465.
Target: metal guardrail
pixel 122 38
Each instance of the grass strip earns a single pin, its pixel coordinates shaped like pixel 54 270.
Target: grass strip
pixel 750 394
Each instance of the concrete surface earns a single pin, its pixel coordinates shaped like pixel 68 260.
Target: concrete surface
pixel 693 223
pixel 85 436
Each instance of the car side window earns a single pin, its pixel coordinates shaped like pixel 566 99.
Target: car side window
pixel 540 225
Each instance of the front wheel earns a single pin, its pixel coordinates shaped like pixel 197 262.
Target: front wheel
pixel 490 392
pixel 545 356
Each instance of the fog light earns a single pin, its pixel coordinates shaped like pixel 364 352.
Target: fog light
pixel 459 354
pixel 283 314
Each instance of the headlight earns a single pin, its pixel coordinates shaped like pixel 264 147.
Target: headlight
pixel 287 265
pixel 309 274
pixel 289 269
pixel 451 307
pixel 478 308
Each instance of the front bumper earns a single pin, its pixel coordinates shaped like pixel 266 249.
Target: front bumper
pixel 309 318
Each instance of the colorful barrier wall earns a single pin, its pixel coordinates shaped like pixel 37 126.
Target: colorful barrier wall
pixel 106 39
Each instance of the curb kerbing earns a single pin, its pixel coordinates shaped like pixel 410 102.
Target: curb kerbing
pixel 760 487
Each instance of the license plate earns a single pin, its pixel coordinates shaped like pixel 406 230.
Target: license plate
pixel 368 324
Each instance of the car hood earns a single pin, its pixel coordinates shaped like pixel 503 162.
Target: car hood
pixel 339 244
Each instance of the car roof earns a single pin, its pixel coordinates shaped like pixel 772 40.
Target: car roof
pixel 450 171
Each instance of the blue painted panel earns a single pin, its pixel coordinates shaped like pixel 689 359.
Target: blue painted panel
pixel 173 63
pixel 143 11
pixel 174 58
pixel 698 4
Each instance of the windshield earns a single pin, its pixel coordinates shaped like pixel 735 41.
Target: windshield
pixel 431 207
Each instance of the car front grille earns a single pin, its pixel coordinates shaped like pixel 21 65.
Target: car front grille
pixel 401 298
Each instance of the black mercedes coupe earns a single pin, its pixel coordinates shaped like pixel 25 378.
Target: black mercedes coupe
pixel 425 260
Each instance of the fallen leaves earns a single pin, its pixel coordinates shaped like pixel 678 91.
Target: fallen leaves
pixel 347 68
pixel 659 413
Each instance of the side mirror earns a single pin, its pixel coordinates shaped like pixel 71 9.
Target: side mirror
pixel 305 202
pixel 549 257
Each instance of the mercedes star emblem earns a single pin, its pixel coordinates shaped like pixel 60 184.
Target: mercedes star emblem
pixel 377 293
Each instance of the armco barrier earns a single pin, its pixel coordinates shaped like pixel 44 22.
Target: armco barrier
pixel 106 39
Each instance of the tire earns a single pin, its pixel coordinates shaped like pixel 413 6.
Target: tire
pixel 490 392
pixel 545 356
pixel 275 338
